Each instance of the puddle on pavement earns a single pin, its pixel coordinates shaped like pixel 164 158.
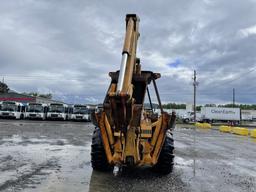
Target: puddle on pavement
pixel 183 162
pixel 43 165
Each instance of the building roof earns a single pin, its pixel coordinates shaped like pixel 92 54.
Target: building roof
pixel 24 98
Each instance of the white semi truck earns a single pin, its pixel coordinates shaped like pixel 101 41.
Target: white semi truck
pixel 12 110
pixel 189 116
pixel 80 113
pixel 212 114
pixel 36 111
pixel 58 111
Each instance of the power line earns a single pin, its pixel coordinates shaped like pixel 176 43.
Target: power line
pixel 232 80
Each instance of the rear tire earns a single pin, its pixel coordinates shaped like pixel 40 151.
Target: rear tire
pixel 166 158
pixel 98 156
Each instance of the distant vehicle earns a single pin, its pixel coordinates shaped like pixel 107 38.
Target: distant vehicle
pixel 12 110
pixel 58 111
pixel 92 110
pixel 214 114
pixel 247 115
pixel 98 109
pixel 80 113
pixel 189 116
pixel 36 111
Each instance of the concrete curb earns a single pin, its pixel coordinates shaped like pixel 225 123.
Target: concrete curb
pixel 203 125
pixel 253 133
pixel 240 131
pixel 225 129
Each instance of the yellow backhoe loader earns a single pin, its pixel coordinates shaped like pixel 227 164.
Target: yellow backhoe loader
pixel 126 134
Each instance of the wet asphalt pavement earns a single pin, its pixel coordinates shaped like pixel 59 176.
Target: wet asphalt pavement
pixel 37 156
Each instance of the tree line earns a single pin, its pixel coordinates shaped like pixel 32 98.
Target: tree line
pixel 35 94
pixel 198 108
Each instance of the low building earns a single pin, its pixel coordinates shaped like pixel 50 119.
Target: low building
pixel 25 99
pixel 8 95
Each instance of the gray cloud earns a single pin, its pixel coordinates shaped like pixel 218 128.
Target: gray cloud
pixel 67 48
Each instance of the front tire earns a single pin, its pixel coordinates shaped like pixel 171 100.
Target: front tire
pixel 98 156
pixel 186 120
pixel 166 158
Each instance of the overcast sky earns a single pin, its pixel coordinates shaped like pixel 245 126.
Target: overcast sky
pixel 68 47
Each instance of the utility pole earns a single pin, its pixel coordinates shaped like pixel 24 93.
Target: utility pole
pixel 195 83
pixel 233 97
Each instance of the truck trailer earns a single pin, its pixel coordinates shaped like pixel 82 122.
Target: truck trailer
pixel 214 114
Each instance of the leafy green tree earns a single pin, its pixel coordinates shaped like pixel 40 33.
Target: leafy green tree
pixel 210 105
pixel 3 88
pixel 174 106
pixel 35 94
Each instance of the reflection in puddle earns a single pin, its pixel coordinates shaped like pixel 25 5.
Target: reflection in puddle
pixel 182 162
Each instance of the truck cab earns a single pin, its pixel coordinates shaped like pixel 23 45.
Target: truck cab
pixel 58 111
pixel 12 110
pixel 80 113
pixel 189 117
pixel 36 111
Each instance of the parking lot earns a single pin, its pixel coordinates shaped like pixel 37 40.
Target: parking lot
pixel 55 156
